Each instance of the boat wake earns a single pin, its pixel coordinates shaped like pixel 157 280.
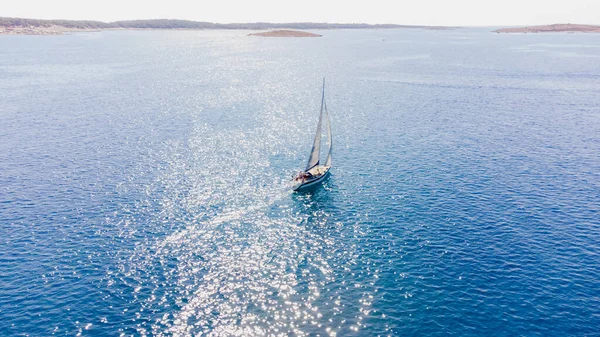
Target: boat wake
pixel 239 256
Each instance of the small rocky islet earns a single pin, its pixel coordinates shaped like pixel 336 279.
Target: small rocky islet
pixel 285 33
pixel 556 28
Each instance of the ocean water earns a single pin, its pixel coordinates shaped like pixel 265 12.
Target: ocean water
pixel 144 184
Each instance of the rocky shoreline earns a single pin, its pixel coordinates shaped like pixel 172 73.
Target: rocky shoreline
pixel 32 30
pixel 58 30
pixel 285 33
pixel 560 28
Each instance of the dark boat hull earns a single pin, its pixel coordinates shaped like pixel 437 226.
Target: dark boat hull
pixel 312 184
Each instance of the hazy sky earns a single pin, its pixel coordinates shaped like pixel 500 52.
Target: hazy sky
pixel 420 12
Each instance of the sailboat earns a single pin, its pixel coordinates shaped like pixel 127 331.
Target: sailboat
pixel 315 173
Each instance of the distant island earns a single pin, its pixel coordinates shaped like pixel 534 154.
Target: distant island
pixel 285 33
pixel 17 26
pixel 566 28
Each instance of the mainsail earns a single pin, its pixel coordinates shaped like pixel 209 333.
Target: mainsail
pixel 329 141
pixel 313 159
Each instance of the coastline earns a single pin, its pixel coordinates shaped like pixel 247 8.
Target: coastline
pixel 554 28
pixel 21 26
pixel 51 30
pixel 58 30
pixel 285 33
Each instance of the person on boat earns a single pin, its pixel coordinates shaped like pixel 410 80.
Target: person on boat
pixel 303 176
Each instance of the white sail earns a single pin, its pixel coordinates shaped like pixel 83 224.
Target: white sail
pixel 313 159
pixel 329 141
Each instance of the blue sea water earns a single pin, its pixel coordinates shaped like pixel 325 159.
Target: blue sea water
pixel 144 184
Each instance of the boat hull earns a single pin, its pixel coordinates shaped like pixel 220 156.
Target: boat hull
pixel 311 185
